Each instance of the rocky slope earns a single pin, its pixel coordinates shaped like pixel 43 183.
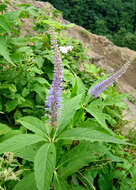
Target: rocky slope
pixel 103 53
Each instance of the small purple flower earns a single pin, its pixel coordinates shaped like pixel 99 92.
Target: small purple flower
pixel 53 101
pixel 100 87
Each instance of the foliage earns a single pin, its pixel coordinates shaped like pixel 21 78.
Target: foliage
pixel 10 169
pixel 84 151
pixel 114 19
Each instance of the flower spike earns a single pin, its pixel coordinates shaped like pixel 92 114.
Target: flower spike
pixel 100 87
pixel 53 101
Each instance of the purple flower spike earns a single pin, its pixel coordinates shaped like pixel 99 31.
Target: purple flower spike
pixel 100 87
pixel 53 101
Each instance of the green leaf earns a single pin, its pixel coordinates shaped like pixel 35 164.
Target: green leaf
pixel 19 41
pixel 81 86
pixel 41 81
pixel 68 76
pixel 4 50
pixel 28 182
pixel 78 87
pixel 19 141
pixel 79 116
pixel 95 109
pixel 13 17
pixel 26 50
pixel 70 107
pixel 28 152
pixel 34 124
pixel 79 157
pixel 11 105
pixel 60 183
pixel 44 166
pixel 88 178
pixel 89 135
pixel 4 24
pixel 126 185
pixel 77 187
pixel 40 90
pixel 10 134
pixel 105 181
pixel 3 7
pixel 4 129
pixel 8 90
pixel 115 99
pixel 36 70
pixel 91 68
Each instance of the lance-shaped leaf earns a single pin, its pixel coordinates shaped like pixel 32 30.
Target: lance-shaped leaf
pixel 28 182
pixel 89 134
pixel 69 109
pixel 34 124
pixel 95 109
pixel 44 166
pixel 4 50
pixel 79 157
pixel 19 141
pixel 4 129
pixel 60 183
pixel 29 152
pixel 5 24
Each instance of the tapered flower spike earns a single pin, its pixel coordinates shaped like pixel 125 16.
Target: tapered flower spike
pixel 100 87
pixel 53 101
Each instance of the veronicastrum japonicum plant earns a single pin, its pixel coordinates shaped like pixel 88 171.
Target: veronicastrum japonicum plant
pixel 60 148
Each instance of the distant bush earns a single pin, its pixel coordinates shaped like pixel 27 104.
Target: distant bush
pixel 106 18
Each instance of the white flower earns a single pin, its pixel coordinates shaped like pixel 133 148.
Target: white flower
pixel 65 49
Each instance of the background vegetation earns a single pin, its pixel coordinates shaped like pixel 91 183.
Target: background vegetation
pixel 114 19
